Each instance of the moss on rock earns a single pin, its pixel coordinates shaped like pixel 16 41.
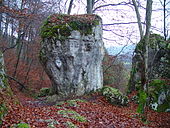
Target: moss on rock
pixel 114 96
pixel 59 26
pixel 155 42
pixel 44 92
pixel 158 60
pixel 159 95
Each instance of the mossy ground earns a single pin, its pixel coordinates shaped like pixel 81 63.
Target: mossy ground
pixel 72 114
pixel 20 125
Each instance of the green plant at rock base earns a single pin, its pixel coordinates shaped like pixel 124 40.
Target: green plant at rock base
pixel 72 114
pixel 142 101
pixel 3 111
pixel 44 92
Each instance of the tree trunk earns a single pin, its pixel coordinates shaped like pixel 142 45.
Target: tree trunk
pixel 138 19
pixel 1 17
pixel 164 7
pixel 90 4
pixel 147 34
pixel 70 7
pixel 0 22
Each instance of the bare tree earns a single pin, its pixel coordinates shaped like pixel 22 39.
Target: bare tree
pixel 147 34
pixel 1 3
pixel 138 18
pixel 90 5
pixel 144 52
pixel 70 7
pixel 164 7
pixel 165 4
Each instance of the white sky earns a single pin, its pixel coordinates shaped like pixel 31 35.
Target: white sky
pixel 123 34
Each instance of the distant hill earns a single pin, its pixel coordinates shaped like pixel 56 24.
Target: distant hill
pixel 125 56
pixel 116 49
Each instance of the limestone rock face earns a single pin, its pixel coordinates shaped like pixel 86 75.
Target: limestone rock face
pixel 72 53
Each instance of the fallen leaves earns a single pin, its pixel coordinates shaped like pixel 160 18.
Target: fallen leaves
pixel 98 112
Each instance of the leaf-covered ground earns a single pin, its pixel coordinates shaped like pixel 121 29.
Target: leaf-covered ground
pixel 97 111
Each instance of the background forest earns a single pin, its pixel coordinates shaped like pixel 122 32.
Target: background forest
pixel 130 23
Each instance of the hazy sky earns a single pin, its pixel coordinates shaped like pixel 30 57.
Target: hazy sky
pixel 123 34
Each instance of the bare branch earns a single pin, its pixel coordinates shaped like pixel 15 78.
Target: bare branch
pixel 20 84
pixel 119 23
pixel 70 7
pixel 106 5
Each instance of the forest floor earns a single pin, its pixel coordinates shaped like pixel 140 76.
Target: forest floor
pixel 96 112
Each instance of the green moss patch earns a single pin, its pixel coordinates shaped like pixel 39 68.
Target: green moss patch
pixel 3 111
pixel 114 96
pixel 155 41
pixel 59 27
pixel 21 125
pixel 44 92
pixel 72 114
pixel 159 95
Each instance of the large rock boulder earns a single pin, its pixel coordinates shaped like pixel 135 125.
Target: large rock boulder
pixel 71 53
pixel 158 64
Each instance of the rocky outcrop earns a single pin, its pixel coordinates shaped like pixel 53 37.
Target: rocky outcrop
pixel 158 69
pixel 158 64
pixel 71 53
